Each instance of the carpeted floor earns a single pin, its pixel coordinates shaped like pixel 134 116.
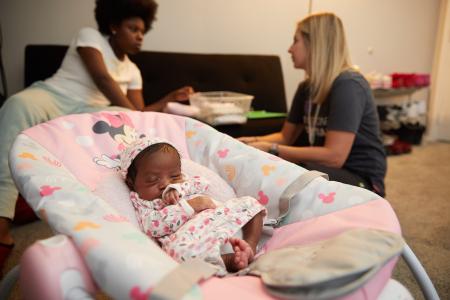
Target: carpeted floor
pixel 418 188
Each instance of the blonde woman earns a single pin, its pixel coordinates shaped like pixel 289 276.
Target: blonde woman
pixel 333 124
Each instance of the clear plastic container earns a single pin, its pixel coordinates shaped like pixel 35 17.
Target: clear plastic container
pixel 222 107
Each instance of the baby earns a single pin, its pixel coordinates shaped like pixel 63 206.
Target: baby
pixel 173 209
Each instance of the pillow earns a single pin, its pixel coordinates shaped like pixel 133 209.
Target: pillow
pixel 116 193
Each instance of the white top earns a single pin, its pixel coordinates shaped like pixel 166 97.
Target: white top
pixel 73 80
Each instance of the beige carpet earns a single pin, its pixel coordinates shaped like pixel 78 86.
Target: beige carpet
pixel 418 187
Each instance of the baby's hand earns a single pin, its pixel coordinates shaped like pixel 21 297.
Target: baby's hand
pixel 171 197
pixel 201 203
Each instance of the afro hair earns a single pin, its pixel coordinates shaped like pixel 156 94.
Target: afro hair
pixel 113 12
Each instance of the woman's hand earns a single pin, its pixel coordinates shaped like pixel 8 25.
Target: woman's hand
pixel 254 141
pixel 248 139
pixel 179 95
pixel 171 197
pixel 201 203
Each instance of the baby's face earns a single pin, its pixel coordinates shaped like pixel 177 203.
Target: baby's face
pixel 155 172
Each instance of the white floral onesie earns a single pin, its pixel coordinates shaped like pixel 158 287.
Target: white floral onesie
pixel 184 234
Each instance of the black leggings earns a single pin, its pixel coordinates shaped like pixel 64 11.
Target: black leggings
pixel 340 175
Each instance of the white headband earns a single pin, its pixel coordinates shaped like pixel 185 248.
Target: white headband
pixel 129 154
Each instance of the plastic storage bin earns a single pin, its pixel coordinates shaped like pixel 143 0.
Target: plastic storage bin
pixel 222 107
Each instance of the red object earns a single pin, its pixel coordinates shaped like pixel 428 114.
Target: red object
pixel 409 80
pixel 422 80
pixel 5 251
pixel 399 147
pixel 24 214
pixel 397 80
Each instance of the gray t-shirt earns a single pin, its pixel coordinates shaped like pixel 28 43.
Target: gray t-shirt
pixel 349 107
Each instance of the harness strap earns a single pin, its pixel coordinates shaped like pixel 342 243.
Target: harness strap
pixel 182 279
pixel 295 187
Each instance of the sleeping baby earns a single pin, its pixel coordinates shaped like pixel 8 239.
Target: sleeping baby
pixel 174 210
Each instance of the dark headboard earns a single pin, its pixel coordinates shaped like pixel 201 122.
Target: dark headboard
pixel 162 72
pixel 42 61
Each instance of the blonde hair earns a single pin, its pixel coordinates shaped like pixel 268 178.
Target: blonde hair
pixel 328 55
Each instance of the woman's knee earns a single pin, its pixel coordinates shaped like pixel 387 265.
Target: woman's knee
pixel 13 103
pixel 18 103
pixel 28 107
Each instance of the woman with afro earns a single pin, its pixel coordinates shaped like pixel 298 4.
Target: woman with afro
pixel 96 74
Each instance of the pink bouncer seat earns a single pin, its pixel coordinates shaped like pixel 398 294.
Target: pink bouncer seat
pixel 67 170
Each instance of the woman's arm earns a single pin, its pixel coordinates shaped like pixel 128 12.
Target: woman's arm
pixel 179 95
pixel 287 136
pixel 93 60
pixel 292 127
pixel 136 98
pixel 334 153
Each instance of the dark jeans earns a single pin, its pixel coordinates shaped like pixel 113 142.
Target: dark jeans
pixel 340 175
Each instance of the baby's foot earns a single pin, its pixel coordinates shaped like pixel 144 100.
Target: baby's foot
pixel 242 256
pixel 242 246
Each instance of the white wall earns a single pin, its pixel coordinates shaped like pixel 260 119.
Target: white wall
pixel 401 32
pixel 38 22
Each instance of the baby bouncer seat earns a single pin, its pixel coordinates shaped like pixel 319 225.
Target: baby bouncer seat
pixel 67 170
